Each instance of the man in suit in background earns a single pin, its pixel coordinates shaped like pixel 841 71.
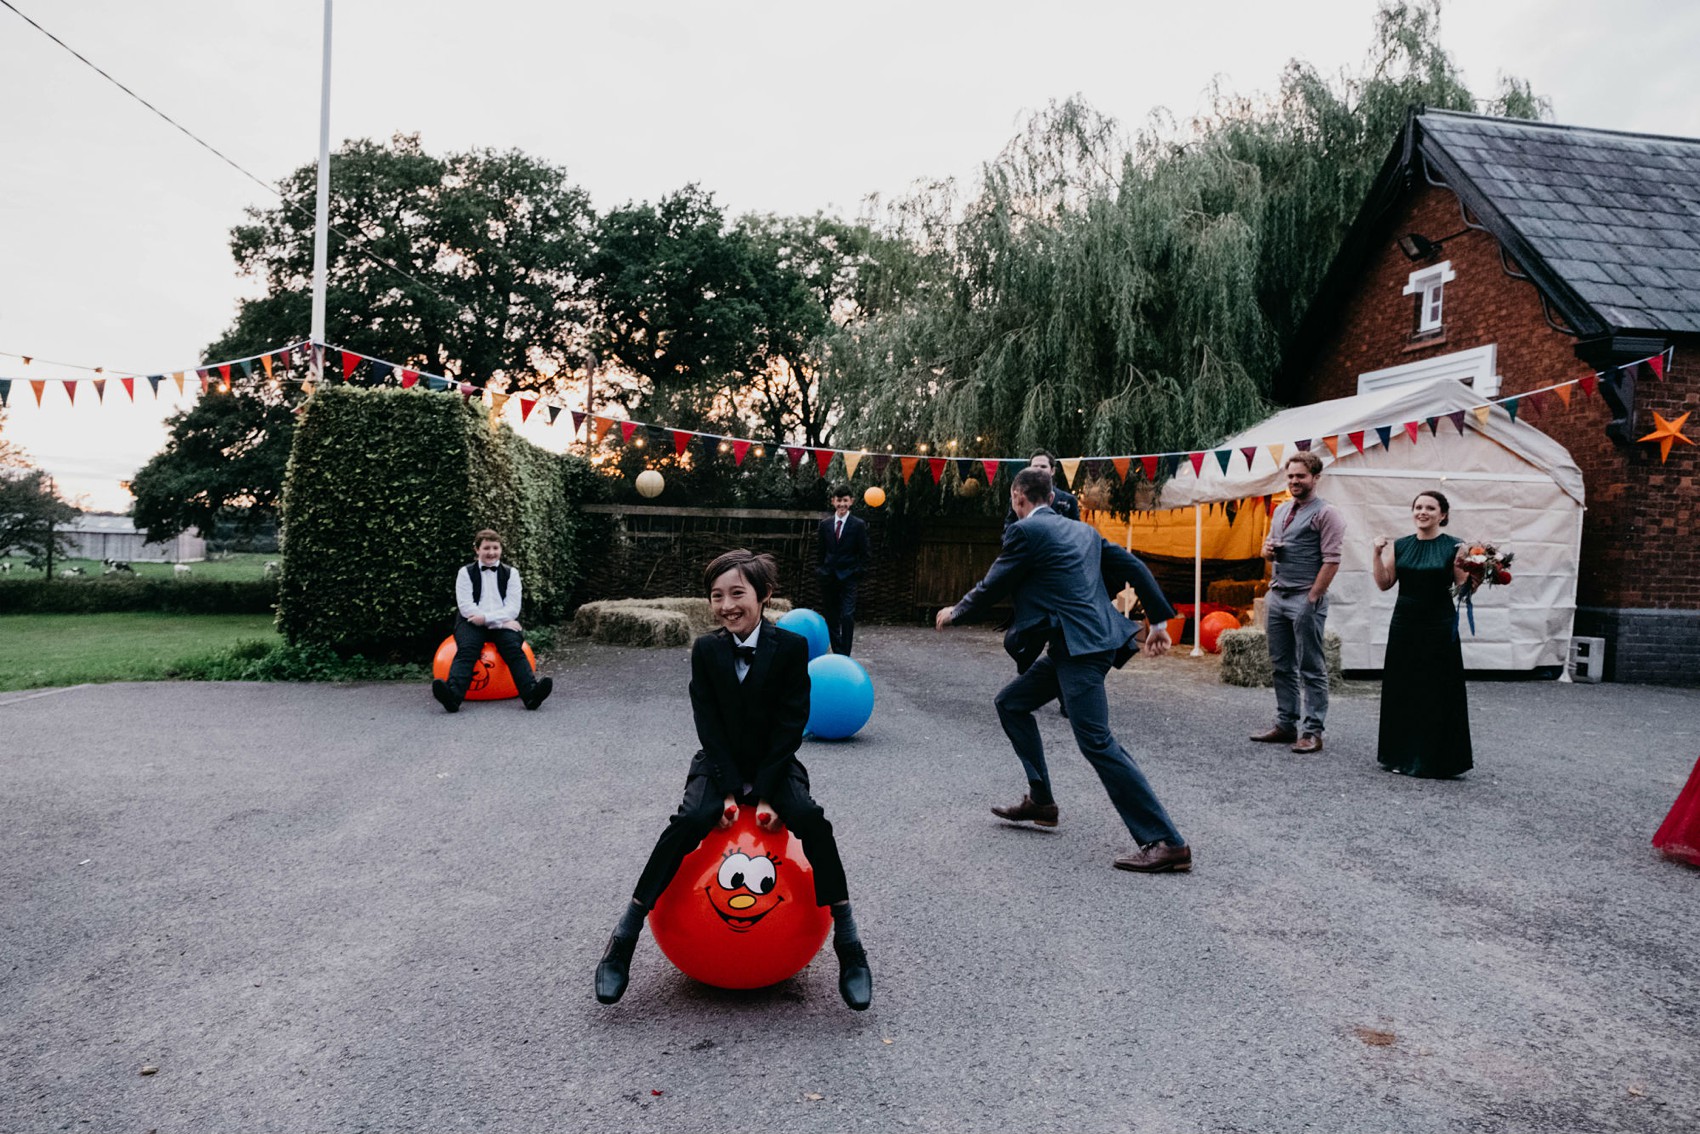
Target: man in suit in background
pixel 843 561
pixel 1063 502
pixel 1062 575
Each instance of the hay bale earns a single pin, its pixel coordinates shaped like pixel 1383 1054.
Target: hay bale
pixel 1245 658
pixel 621 622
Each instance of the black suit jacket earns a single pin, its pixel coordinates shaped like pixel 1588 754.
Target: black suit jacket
pixel 750 731
pixel 1062 575
pixel 1066 505
pixel 847 557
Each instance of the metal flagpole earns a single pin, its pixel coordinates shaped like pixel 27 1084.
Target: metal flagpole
pixel 321 219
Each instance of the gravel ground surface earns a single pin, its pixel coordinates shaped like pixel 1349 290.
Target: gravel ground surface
pixel 317 908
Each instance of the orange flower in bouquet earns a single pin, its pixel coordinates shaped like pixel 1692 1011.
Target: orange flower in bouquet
pixel 1486 564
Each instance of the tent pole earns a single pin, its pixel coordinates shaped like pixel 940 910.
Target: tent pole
pixel 1197 579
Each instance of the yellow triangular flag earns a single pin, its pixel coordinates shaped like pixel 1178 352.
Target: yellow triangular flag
pixel 1481 413
pixel 1275 451
pixel 851 460
pixel 1070 465
pixel 178 378
pixel 497 401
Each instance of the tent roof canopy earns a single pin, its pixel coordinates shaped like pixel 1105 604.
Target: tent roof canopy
pixel 1392 407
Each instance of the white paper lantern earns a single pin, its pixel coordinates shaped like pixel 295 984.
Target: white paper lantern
pixel 650 483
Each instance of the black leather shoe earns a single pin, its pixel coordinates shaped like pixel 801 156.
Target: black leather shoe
pixel 539 692
pixel 1041 814
pixel 855 979
pixel 445 697
pixel 615 969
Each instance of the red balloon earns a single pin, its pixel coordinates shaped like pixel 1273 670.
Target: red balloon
pixel 491 680
pixel 741 911
pixel 1211 629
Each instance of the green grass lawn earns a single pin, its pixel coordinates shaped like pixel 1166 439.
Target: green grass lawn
pixel 38 650
pixel 241 565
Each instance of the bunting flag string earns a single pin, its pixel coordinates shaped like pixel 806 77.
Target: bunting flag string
pixel 282 364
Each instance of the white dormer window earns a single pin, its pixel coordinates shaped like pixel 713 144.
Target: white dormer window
pixel 1429 286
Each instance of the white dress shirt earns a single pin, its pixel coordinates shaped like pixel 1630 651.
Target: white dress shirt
pixel 497 612
pixel 738 663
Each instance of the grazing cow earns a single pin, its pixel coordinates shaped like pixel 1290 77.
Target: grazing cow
pixel 180 569
pixel 117 567
pixel 6 567
pixel 72 572
pixel 273 567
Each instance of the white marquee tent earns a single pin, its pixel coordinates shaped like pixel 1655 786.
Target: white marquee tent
pixel 1508 483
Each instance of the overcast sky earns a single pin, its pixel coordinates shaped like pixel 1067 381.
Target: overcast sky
pixel 114 227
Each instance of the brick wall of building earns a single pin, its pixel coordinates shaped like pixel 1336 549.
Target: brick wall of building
pixel 1641 533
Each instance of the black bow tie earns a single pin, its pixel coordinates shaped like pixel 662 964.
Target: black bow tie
pixel 746 654
pixel 486 568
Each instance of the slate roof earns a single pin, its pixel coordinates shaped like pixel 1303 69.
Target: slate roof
pixel 1615 217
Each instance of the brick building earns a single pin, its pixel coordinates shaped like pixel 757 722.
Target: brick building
pixel 1513 255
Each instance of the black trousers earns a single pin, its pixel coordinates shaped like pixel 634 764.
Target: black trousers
pixel 838 607
pixel 469 643
pixel 699 814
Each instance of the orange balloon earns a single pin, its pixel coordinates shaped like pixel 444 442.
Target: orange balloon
pixel 741 911
pixel 1211 629
pixel 491 680
pixel 874 496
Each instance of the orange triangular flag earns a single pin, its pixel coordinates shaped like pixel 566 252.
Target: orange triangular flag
pixel 908 464
pixel 851 460
pixel 497 401
pixel 178 378
pixel 1070 466
pixel 38 385
pixel 1333 444
pixel 1564 393
pixel 1122 464
pixel 266 363
pixel 603 425
pixel 1481 413
pixel 1275 451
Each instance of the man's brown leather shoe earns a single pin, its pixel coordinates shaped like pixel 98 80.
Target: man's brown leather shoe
pixel 1308 743
pixel 1156 859
pixel 1276 735
pixel 1041 814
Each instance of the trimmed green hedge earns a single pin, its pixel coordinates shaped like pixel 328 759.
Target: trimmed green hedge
pixel 384 491
pixel 169 596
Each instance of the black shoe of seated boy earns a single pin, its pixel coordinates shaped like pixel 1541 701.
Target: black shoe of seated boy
pixel 614 970
pixel 445 697
pixel 855 979
pixel 539 692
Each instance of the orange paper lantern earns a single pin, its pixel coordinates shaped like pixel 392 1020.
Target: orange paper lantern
pixel 874 496
pixel 491 680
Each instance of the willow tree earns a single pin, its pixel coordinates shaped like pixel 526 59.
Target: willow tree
pixel 1102 293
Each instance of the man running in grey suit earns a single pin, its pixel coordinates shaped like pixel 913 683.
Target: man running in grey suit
pixel 1062 575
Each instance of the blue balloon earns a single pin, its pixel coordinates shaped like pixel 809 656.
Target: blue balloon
pixel 810 625
pixel 841 697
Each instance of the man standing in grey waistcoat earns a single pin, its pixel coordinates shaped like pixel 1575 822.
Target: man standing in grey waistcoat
pixel 1305 536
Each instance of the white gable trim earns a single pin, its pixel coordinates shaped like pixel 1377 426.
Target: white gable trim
pixel 1476 368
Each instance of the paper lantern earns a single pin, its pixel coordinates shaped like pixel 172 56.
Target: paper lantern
pixel 874 496
pixel 741 911
pixel 491 680
pixel 1210 630
pixel 650 483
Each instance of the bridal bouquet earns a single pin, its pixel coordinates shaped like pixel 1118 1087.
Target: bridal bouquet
pixel 1486 565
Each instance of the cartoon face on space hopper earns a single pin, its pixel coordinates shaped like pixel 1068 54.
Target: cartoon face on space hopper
pixel 741 911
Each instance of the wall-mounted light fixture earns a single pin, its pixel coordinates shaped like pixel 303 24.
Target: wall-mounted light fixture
pixel 1418 247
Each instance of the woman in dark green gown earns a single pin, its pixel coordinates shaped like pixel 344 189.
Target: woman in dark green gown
pixel 1425 716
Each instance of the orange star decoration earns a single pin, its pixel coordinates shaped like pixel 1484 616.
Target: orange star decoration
pixel 1666 433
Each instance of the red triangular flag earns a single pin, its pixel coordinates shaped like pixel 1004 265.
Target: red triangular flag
pixel 1357 439
pixel 224 372
pixel 794 454
pixel 1657 363
pixel 739 448
pixel 681 441
pixel 1411 428
pixel 908 464
pixel 823 459
pixel 129 387
pixel 349 361
pixel 1197 460
pixel 935 466
pixel 206 379
pixel 1250 454
pixel 409 378
pixel 991 466
pixel 578 420
pixel 70 385
pixel 1590 384
pixel 526 405
pixel 1537 402
pixel 100 390
pixel 1149 464
pixel 627 428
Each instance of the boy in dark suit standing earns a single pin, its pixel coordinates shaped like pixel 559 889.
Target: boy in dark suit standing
pixel 750 696
pixel 1065 636
pixel 843 560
